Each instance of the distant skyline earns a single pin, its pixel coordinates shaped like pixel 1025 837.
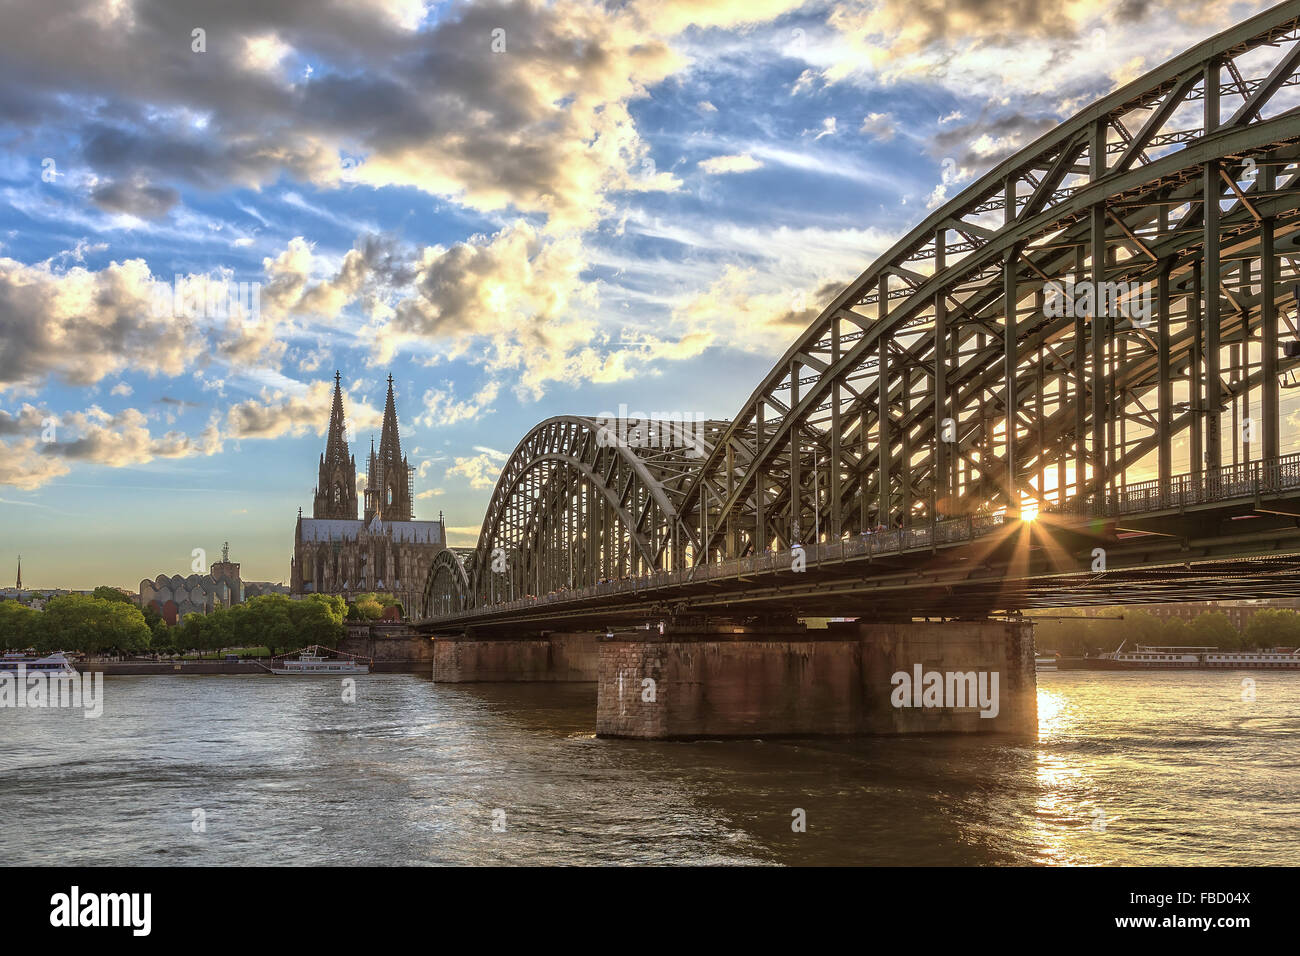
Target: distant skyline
pixel 519 210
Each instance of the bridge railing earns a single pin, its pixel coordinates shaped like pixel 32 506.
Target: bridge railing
pixel 868 543
pixel 1243 480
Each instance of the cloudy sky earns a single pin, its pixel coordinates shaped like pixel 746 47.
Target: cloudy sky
pixel 516 209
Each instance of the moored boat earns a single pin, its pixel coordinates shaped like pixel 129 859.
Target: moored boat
pixel 1278 657
pixel 52 665
pixel 319 661
pixel 1149 657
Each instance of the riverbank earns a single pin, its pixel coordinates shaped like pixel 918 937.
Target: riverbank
pixel 173 668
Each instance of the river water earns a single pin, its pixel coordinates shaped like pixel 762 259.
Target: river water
pixel 1129 768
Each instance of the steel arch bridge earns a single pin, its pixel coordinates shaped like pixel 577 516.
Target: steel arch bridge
pixel 580 500
pixel 1100 319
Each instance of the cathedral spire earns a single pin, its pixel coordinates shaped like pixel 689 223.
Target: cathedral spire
pixel 336 445
pixel 388 486
pixel 336 491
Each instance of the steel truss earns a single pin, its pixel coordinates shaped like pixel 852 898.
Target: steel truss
pixel 1183 186
pixel 946 380
pixel 580 500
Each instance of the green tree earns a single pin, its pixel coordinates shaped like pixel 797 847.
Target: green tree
pixel 1273 627
pixel 368 607
pixel 1143 627
pixel 92 625
pixel 17 625
pixel 224 628
pixel 1213 629
pixel 160 640
pixel 317 619
pixel 268 621
pixel 159 637
pixel 1176 633
pixel 106 593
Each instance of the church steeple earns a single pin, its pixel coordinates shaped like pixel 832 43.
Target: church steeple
pixel 336 490
pixel 388 482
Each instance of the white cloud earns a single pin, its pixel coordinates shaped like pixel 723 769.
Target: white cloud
pixel 480 470
pixel 719 165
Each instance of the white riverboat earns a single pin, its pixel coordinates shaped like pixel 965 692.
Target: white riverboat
pixel 319 661
pixel 1246 660
pixel 52 665
pixel 1147 657
pixel 1045 661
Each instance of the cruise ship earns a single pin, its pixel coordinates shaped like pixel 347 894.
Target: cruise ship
pixel 1148 657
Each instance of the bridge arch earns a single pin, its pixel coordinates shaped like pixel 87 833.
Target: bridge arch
pixel 446 587
pixel 579 500
pixel 1177 192
pixel 969 371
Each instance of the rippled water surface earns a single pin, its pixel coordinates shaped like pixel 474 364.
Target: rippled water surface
pixel 1131 768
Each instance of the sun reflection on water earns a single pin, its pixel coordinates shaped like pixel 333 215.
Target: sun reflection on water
pixel 1064 804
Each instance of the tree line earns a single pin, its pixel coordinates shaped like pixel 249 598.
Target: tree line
pixel 1267 627
pixel 109 622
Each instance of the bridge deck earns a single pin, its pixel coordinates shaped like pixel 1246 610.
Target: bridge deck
pixel 1229 535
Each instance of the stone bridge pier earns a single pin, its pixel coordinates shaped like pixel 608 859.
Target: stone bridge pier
pixel 706 679
pixel 866 677
pixel 483 655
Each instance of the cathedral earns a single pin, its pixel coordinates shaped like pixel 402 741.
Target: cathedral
pixel 334 552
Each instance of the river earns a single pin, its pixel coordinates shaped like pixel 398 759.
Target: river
pixel 1129 768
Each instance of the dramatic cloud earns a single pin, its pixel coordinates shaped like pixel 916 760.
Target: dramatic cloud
pixel 737 313
pixel 136 199
pixel 30 420
pixel 983 143
pixel 83 325
pixel 516 301
pixel 1061 53
pixel 125 439
pixel 513 105
pixel 280 413
pixel 23 465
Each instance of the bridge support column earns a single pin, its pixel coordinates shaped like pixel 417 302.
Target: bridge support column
pixel 552 656
pixel 861 678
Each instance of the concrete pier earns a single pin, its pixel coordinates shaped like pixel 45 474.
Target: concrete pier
pixel 542 657
pixel 860 678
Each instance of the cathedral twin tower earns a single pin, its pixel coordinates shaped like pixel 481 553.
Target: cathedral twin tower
pixel 386 550
pixel 388 476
